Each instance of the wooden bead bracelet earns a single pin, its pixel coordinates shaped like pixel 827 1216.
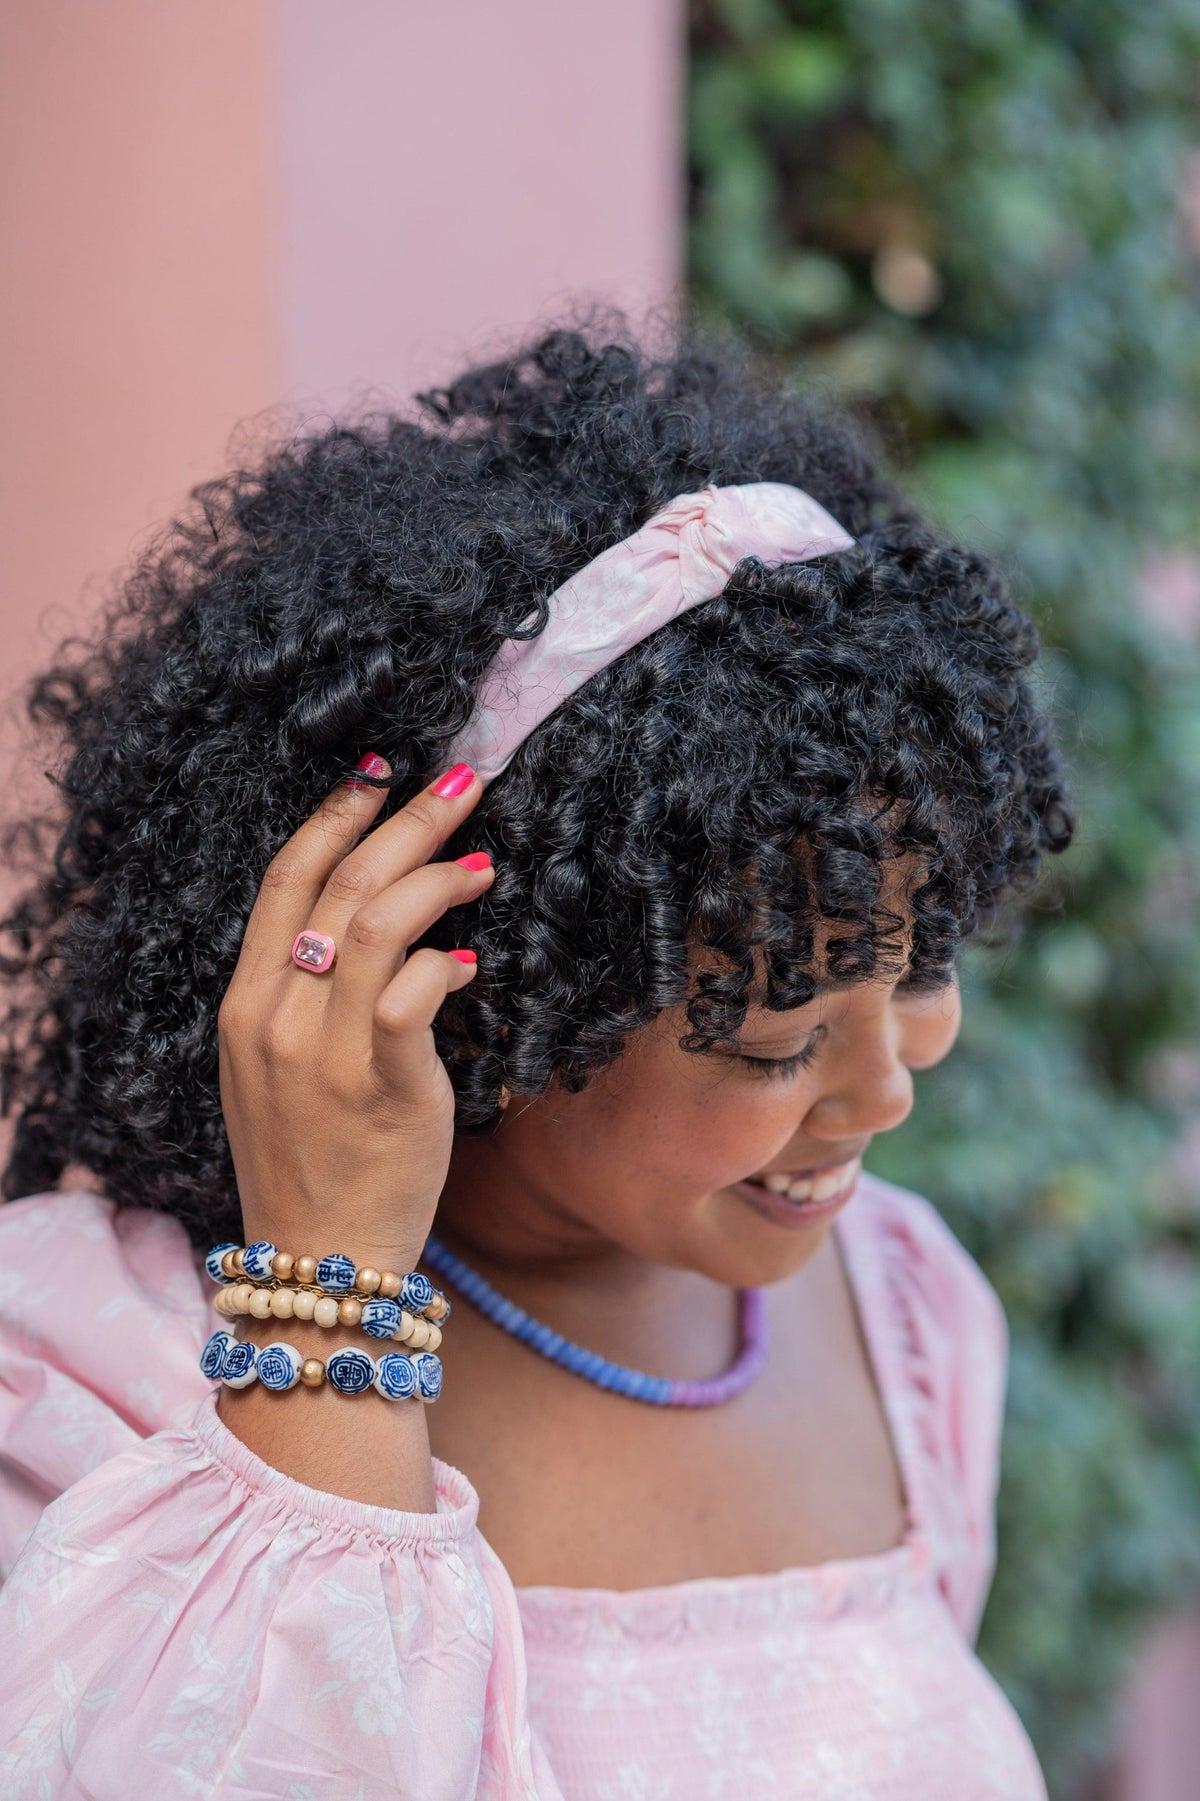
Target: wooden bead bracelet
pixel 377 1315
pixel 263 1262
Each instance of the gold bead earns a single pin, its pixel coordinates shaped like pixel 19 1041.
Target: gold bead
pixel 326 1311
pixel 260 1303
pixel 237 1267
pixel 303 1303
pixel 434 1339
pixel 282 1264
pixel 283 1302
pixel 367 1280
pixel 436 1307
pixel 227 1264
pixel 304 1268
pixel 349 1311
pixel 418 1338
pixel 312 1372
pixel 389 1285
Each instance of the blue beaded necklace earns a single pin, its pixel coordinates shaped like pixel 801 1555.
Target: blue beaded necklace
pixel 659 1391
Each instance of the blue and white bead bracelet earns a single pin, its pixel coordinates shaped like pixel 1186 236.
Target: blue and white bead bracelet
pixel 279 1366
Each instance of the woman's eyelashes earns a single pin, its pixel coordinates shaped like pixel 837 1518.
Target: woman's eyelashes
pixel 782 1066
pixel 779 1068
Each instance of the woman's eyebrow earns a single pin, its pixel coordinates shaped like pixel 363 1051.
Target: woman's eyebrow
pixel 775 1031
pixel 836 985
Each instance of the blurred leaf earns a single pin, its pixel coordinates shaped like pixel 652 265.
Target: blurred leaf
pixel 801 72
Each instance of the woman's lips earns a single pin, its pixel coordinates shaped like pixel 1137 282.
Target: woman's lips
pixel 802 1200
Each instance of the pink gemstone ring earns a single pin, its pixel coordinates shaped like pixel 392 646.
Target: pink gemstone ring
pixel 314 951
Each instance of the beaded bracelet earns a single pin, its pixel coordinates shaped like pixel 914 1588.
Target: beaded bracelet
pixel 378 1317
pixel 278 1366
pixel 333 1275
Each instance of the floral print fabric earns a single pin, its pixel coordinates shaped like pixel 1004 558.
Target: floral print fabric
pixel 180 1620
pixel 685 554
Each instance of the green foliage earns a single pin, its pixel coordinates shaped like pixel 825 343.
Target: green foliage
pixel 982 221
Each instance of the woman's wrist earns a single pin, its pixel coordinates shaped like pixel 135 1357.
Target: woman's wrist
pixel 400 1253
pixel 363 1447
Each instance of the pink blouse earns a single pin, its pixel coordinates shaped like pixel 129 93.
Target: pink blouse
pixel 182 1622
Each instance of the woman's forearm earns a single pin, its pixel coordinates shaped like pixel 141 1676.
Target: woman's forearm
pixel 363 1447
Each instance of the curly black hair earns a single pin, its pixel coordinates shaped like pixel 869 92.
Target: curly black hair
pixel 740 773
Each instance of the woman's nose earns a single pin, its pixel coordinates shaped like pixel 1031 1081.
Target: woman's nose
pixel 872 1092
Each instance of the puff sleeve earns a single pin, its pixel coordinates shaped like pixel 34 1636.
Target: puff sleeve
pixel 182 1620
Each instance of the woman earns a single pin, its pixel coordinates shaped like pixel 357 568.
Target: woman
pixel 693 754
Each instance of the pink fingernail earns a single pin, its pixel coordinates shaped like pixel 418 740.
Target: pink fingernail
pixel 478 859
pixel 464 956
pixel 370 765
pixel 455 781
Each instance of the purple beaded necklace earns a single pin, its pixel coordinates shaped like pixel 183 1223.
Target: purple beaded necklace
pixel 659 1391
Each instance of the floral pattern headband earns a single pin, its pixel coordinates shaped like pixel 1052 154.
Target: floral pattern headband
pixel 684 555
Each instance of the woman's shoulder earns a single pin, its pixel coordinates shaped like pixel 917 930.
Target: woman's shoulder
pixel 102 1320
pixel 940 1322
pixel 104 1295
pixel 929 1268
pixel 83 1231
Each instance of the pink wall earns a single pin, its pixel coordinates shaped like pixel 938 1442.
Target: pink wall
pixel 138 312
pixel 217 205
pixel 1159 1759
pixel 458 168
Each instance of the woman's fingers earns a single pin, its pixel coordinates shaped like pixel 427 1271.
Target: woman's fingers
pixel 296 874
pixel 402 1048
pixel 323 866
pixel 373 943
pixel 402 844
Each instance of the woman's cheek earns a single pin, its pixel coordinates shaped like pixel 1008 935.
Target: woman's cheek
pixel 749 1125
pixel 933 1029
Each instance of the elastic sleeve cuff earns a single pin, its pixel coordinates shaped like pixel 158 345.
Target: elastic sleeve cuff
pixel 457 1501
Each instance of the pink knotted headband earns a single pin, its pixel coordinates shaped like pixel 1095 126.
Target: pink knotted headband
pixel 684 555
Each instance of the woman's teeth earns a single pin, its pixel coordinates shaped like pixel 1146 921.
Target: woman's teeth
pixel 820 1187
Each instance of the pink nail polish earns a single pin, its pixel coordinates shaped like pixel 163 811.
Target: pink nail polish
pixel 370 765
pixel 455 781
pixel 478 859
pixel 464 956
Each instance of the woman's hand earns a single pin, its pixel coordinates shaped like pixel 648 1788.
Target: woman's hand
pixel 339 1112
